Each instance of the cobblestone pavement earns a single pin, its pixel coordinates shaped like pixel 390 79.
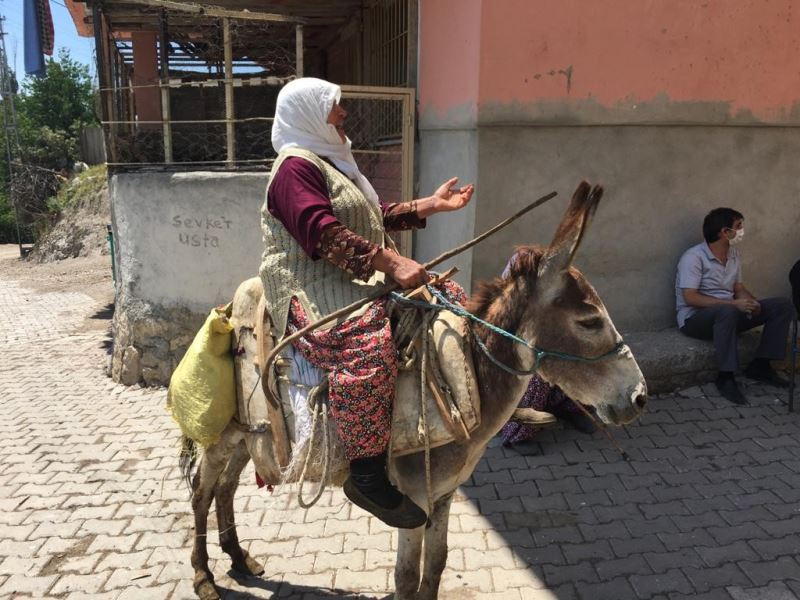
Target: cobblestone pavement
pixel 91 505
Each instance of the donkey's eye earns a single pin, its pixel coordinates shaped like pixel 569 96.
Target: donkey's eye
pixel 593 323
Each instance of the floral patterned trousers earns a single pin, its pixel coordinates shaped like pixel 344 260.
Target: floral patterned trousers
pixel 361 361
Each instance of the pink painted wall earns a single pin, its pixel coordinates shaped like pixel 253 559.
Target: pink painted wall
pixel 145 72
pixel 449 50
pixel 740 56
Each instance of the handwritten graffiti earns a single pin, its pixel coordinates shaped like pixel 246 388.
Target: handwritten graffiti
pixel 201 230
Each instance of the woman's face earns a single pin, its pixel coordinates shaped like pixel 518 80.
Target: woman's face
pixel 336 118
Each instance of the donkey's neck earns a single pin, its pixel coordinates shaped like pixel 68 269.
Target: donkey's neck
pixel 500 391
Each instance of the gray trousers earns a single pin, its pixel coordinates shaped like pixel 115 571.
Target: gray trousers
pixel 723 322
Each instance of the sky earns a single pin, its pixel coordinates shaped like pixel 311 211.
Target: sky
pixel 80 48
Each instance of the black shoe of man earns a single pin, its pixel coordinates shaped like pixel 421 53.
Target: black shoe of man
pixel 765 374
pixel 730 391
pixel 582 423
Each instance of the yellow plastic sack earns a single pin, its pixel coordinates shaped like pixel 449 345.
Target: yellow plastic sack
pixel 202 395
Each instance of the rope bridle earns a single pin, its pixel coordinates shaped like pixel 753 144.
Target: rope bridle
pixel 539 354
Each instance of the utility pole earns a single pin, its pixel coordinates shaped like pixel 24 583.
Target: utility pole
pixel 11 135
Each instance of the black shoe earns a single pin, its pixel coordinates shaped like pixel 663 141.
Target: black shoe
pixel 525 447
pixel 765 375
pixel 730 391
pixel 582 423
pixel 578 420
pixel 405 515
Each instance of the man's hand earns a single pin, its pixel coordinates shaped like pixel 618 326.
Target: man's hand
pixel 407 272
pixel 747 305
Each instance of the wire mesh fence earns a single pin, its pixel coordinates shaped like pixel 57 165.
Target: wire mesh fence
pixel 203 91
pixel 380 123
pixel 376 128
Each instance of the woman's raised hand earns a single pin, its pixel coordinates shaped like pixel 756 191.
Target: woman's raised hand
pixel 446 198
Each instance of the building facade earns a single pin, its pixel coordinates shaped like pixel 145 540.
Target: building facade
pixel 675 108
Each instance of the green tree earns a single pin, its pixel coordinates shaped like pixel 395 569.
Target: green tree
pixel 62 100
pixel 50 112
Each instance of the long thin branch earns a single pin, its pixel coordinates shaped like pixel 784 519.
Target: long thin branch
pixel 266 369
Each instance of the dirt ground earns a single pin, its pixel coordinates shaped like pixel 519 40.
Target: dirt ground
pixel 91 275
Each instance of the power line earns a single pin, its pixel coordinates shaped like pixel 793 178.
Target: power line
pixel 7 93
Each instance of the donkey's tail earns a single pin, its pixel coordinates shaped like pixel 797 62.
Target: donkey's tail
pixel 187 457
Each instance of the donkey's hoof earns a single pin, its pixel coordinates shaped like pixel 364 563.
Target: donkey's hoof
pixel 204 587
pixel 247 565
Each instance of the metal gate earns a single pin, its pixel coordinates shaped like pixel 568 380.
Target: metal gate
pixel 380 123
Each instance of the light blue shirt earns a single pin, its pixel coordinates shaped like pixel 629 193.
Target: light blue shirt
pixel 699 269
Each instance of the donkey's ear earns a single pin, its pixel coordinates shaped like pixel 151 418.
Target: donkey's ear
pixel 558 256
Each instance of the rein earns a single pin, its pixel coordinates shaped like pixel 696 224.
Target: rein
pixel 539 354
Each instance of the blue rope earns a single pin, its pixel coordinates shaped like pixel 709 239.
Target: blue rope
pixel 458 310
pixel 538 353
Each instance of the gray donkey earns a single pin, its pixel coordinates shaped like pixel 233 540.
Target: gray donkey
pixel 545 301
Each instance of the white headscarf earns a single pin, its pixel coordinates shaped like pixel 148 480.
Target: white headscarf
pixel 301 116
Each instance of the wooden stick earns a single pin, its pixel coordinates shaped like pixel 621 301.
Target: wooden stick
pixel 423 289
pixel 265 370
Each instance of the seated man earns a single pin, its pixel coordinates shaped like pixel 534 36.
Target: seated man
pixel 713 303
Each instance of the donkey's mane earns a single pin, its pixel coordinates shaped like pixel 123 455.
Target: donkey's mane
pixel 525 263
pixel 503 301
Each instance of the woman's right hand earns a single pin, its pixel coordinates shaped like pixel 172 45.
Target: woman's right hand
pixel 407 272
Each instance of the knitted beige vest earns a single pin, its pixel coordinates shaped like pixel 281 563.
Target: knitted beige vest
pixel 287 271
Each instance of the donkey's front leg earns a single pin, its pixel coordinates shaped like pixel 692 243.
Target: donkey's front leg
pixel 205 480
pixel 435 548
pixel 223 497
pixel 406 571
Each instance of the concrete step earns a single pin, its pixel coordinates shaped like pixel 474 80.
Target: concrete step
pixel 672 360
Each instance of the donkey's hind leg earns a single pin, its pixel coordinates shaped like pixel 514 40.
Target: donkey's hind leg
pixel 211 466
pixel 224 494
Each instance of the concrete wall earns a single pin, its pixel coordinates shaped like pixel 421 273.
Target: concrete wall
pixel 660 182
pixel 444 154
pixel 186 239
pixel 448 113
pixel 694 60
pixel 184 242
pixel 675 107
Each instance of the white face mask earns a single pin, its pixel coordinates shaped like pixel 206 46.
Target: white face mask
pixel 738 237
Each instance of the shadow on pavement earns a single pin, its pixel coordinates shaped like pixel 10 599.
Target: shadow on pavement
pixel 710 488
pixel 289 590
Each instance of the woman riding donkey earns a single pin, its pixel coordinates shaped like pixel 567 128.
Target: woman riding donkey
pixel 325 235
